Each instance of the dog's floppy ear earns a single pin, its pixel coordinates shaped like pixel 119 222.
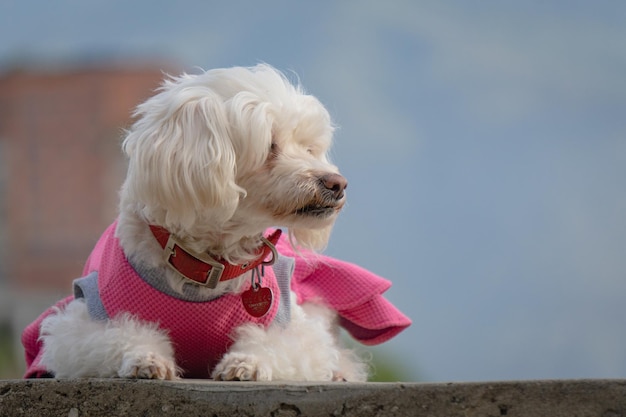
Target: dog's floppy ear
pixel 182 162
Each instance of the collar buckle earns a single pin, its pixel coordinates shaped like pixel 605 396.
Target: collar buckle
pixel 174 248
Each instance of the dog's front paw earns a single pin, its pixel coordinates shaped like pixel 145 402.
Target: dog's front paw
pixel 241 367
pixel 147 365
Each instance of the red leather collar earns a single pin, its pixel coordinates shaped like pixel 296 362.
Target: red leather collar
pixel 204 269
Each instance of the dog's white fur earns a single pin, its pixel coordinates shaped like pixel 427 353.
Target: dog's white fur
pixel 216 159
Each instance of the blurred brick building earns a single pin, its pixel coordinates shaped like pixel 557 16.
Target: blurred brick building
pixel 61 137
pixel 60 171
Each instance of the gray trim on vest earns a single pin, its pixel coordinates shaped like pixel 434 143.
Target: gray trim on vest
pixel 283 269
pixel 154 277
pixel 87 289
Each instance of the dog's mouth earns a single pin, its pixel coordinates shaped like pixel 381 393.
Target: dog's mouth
pixel 318 210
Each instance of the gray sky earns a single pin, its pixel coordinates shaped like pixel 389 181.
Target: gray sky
pixel 485 145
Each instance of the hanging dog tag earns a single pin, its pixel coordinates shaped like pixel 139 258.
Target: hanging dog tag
pixel 257 301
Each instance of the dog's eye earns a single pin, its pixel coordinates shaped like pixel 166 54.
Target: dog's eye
pixel 309 151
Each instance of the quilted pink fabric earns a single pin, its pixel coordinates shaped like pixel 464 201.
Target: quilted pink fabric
pixel 200 330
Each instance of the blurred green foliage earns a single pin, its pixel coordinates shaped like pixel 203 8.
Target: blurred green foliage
pixel 386 368
pixel 8 367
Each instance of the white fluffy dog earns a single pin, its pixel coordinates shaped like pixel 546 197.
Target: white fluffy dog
pixel 215 160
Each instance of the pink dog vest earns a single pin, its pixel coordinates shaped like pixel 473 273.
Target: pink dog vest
pixel 200 330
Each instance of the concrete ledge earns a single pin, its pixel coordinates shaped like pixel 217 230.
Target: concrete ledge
pixel 116 397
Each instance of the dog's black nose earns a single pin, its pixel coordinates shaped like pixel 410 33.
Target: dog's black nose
pixel 335 183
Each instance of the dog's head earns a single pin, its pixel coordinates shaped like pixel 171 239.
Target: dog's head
pixel 234 151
